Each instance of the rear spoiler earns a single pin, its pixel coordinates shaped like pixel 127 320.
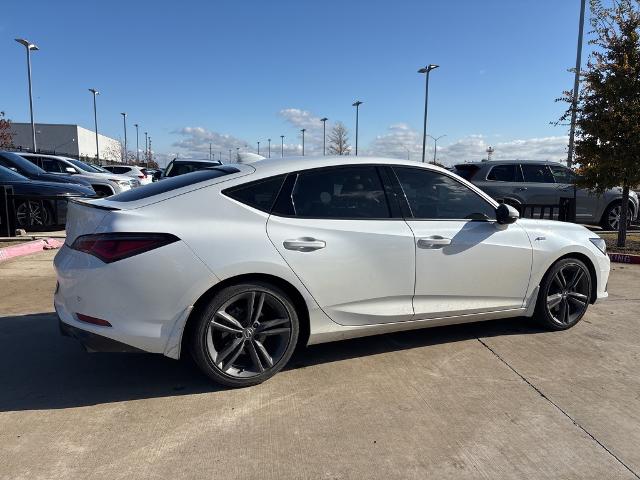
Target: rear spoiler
pixel 92 205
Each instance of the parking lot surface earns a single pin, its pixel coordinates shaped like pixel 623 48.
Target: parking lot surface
pixel 499 399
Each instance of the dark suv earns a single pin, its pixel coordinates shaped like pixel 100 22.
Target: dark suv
pixel 519 183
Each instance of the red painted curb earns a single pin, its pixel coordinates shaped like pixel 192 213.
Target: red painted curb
pixel 28 248
pixel 624 258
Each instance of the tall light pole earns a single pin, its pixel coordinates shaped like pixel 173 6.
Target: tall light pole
pixel 149 158
pixel 282 146
pixel 576 86
pixel 303 130
pixel 324 135
pixel 258 148
pixel 124 123
pixel 209 150
pixel 357 104
pixel 95 121
pixel 137 147
pixel 269 148
pixel 146 146
pixel 435 145
pixel 426 70
pixel 30 46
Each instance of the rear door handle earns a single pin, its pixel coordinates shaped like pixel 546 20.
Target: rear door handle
pixel 435 241
pixel 304 244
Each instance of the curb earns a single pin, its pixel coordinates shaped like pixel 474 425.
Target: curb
pixel 29 248
pixel 625 258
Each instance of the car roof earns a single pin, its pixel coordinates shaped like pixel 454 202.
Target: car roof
pixel 507 162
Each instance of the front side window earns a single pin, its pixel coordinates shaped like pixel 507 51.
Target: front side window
pixel 433 195
pixel 562 174
pixel 536 173
pixel 51 165
pixel 341 193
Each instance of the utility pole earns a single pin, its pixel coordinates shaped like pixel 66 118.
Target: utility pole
pixel 576 86
pixel 30 46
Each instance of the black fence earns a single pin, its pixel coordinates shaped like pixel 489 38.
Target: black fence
pixel 30 213
pixel 565 211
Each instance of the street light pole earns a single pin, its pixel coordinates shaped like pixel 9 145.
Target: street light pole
pixel 149 157
pixel 426 70
pixel 146 147
pixel 95 121
pixel 209 150
pixel 576 86
pixel 357 104
pixel 124 122
pixel 30 46
pixel 137 147
pixel 282 146
pixel 258 148
pixel 324 135
pixel 269 148
pixel 303 130
pixel 435 145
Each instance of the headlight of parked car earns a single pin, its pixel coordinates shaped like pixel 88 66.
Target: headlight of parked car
pixel 600 244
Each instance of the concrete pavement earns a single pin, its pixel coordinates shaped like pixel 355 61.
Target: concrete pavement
pixel 493 400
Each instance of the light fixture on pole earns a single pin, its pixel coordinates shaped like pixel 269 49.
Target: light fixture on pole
pixel 30 46
pixel 269 148
pixel 303 130
pixel 435 145
pixel 357 104
pixel 137 147
pixel 124 123
pixel 426 70
pixel 95 121
pixel 324 134
pixel 282 146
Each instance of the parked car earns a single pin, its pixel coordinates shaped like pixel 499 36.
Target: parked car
pixel 183 165
pixel 104 183
pixel 134 171
pixel 544 183
pixel 238 264
pixel 24 167
pixel 40 204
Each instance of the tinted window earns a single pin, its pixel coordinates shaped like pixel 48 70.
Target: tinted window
pixel 8 159
pixel 432 195
pixel 51 165
pixel 466 171
pixel 173 184
pixel 181 167
pixel 260 194
pixel 536 173
pixel 503 173
pixel 562 174
pixel 340 192
pixel 11 176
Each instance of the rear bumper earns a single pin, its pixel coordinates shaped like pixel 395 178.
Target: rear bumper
pixel 93 342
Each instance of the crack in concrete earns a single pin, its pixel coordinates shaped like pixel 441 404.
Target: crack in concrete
pixel 559 409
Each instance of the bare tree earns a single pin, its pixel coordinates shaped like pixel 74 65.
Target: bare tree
pixel 339 140
pixel 6 138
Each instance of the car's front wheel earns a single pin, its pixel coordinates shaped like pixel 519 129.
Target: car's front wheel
pixel 246 334
pixel 564 294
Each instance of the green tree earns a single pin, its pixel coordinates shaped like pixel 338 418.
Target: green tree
pixel 607 146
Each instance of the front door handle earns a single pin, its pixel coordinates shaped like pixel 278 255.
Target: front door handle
pixel 435 241
pixel 304 244
pixel 520 189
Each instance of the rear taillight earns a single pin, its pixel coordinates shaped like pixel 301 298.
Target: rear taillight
pixel 96 321
pixel 142 176
pixel 111 247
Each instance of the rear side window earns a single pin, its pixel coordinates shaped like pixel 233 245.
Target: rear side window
pixel 466 171
pixel 503 173
pixel 52 165
pixel 169 184
pixel 260 194
pixel 340 193
pixel 536 173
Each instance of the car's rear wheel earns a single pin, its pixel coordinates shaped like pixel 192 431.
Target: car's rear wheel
pixel 33 214
pixel 564 294
pixel 246 334
pixel 611 216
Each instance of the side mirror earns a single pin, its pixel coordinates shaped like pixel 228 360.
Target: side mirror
pixel 506 214
pixel 70 170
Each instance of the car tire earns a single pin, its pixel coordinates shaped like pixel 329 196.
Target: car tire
pixel 564 294
pixel 33 215
pixel 245 334
pixel 609 222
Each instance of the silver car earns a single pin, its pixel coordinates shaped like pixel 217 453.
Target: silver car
pixel 521 183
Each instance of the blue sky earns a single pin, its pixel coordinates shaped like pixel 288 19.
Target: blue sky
pixel 234 72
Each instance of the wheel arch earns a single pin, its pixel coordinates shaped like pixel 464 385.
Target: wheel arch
pixel 296 297
pixel 632 208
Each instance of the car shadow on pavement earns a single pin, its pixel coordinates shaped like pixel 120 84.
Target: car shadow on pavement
pixel 40 369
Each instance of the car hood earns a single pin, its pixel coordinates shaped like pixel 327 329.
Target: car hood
pixel 60 178
pixel 50 188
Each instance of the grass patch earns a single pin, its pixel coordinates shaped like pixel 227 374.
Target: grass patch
pixel 632 245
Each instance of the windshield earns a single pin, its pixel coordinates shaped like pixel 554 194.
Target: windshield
pixel 9 159
pixel 11 176
pixel 83 166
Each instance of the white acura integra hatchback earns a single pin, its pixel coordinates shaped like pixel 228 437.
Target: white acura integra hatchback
pixel 238 264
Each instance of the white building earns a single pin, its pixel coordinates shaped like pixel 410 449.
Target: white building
pixel 62 139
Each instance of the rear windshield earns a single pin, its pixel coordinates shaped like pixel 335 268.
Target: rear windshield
pixel 466 171
pixel 173 183
pixel 181 167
